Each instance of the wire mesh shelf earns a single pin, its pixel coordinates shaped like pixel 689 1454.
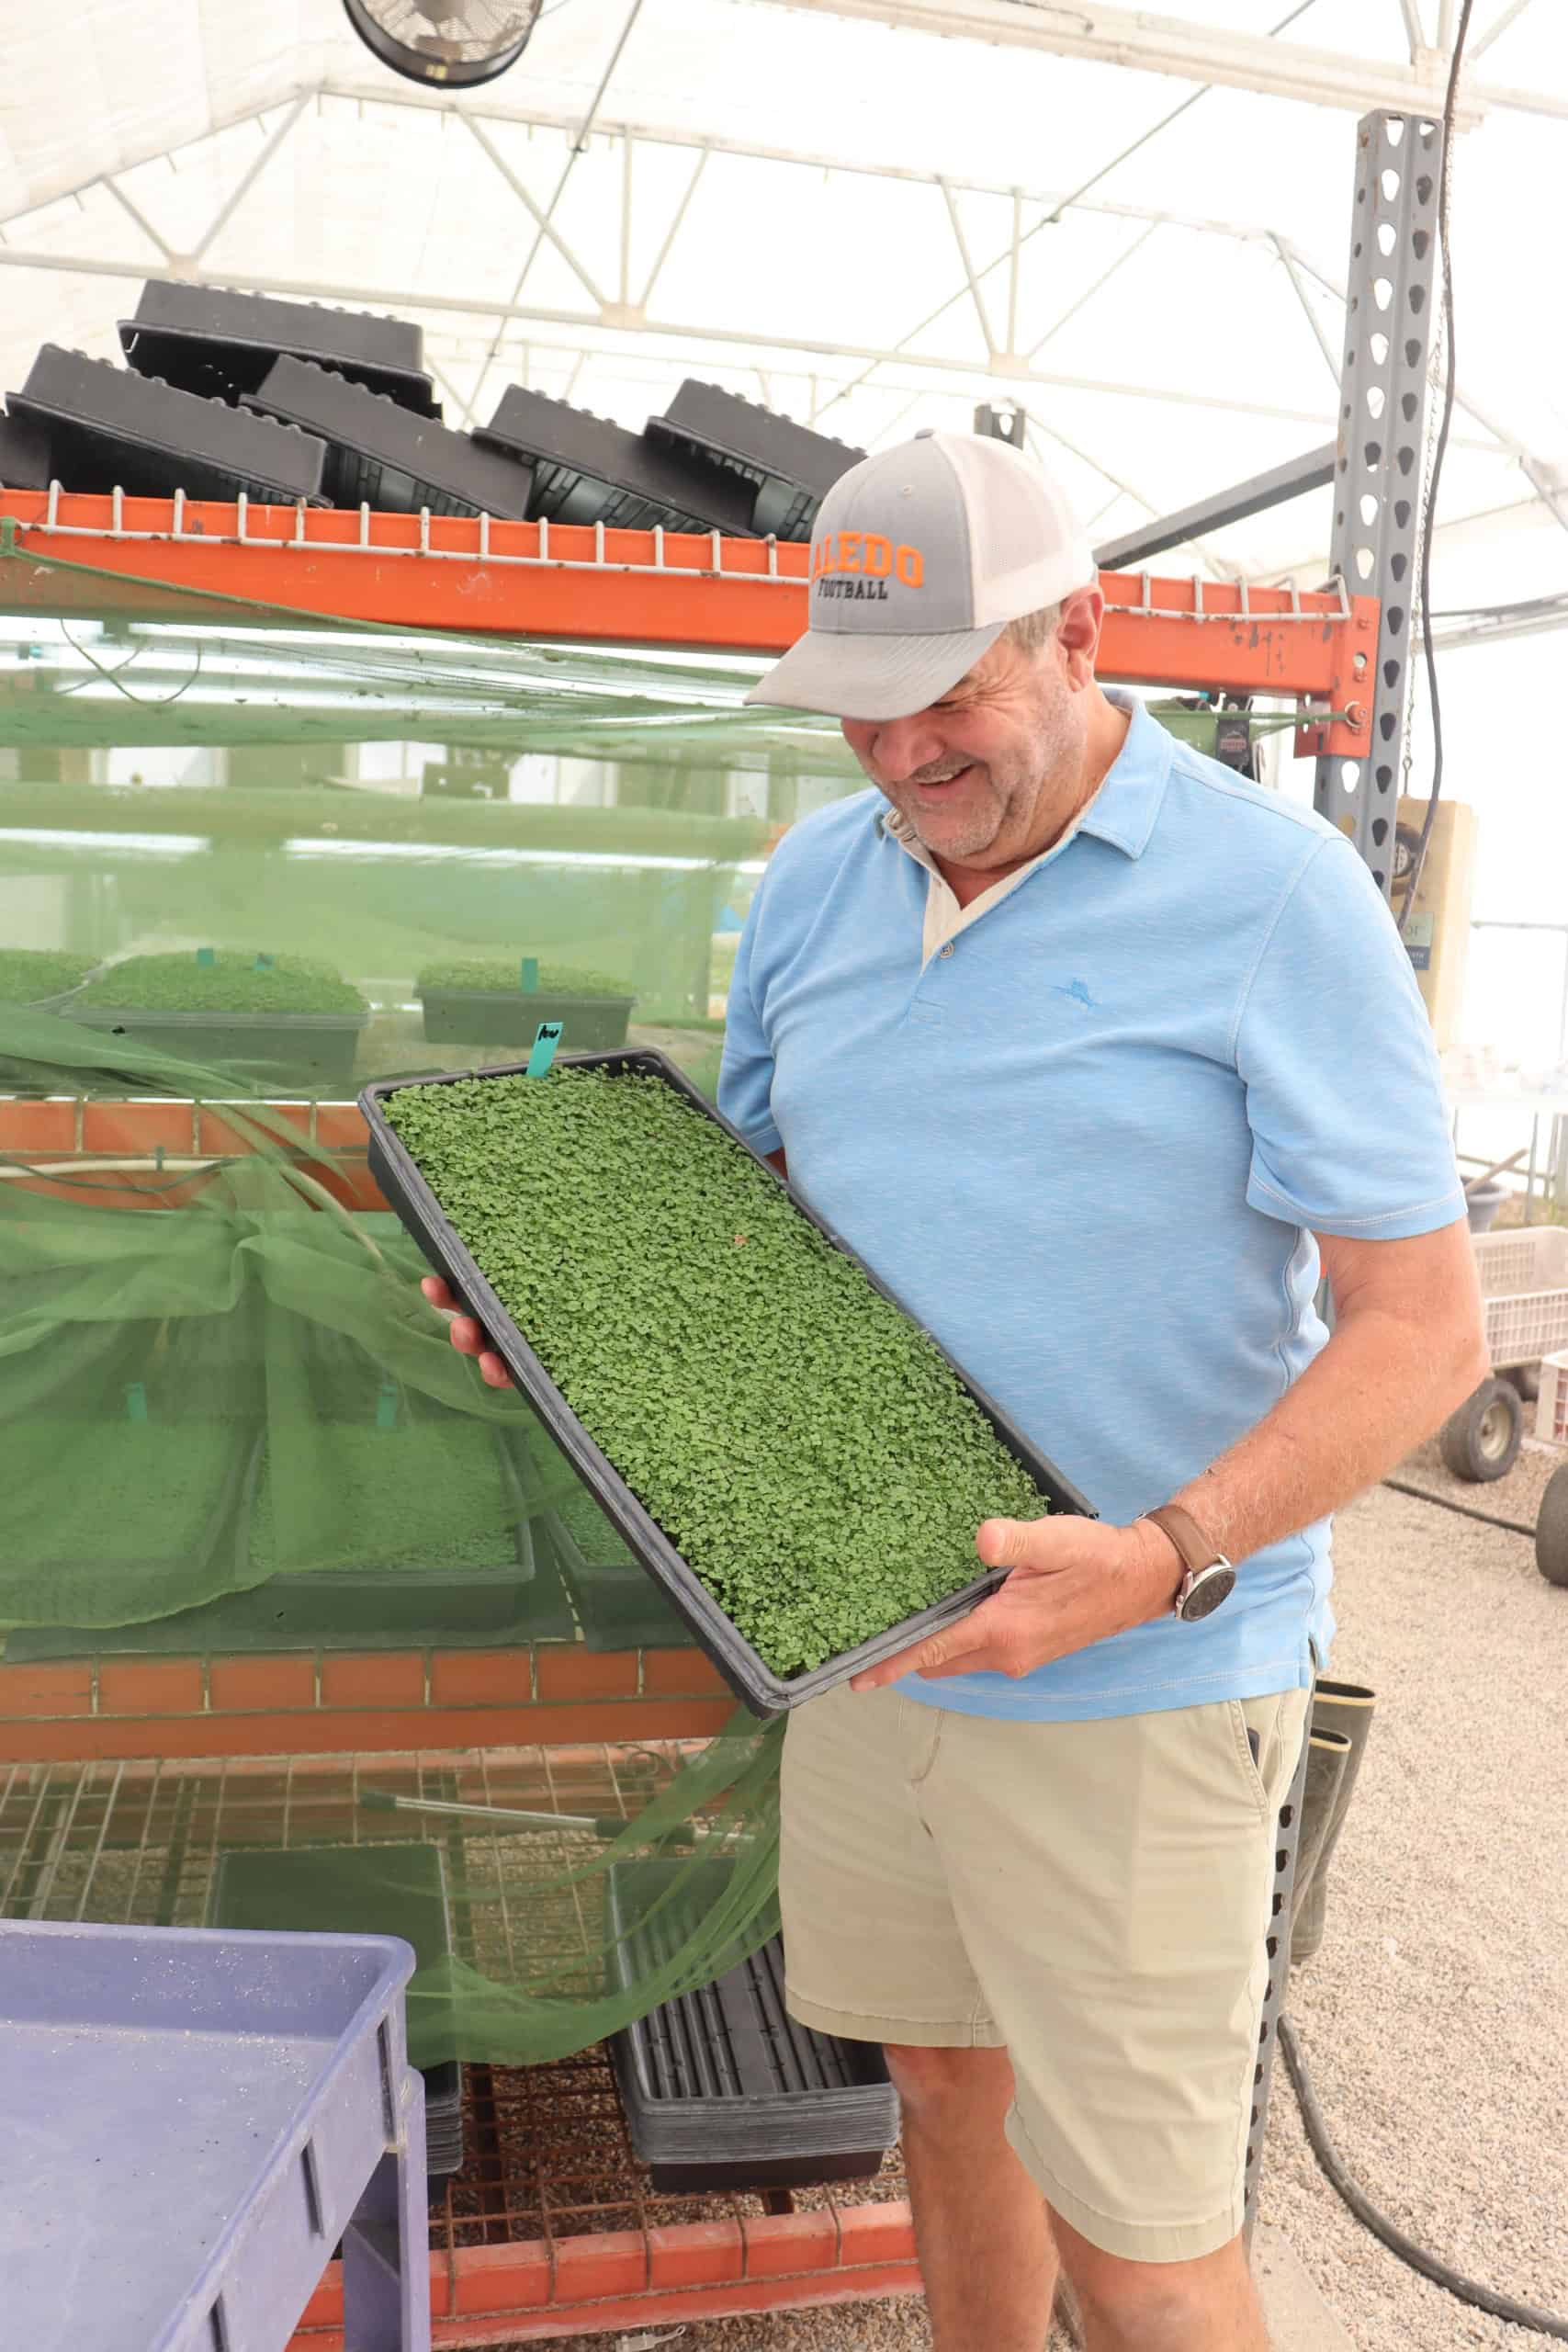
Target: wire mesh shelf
pixel 548 2155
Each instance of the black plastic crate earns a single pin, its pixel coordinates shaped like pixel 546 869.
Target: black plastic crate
pixel 25 456
pixel 379 455
pixel 110 430
pixel 211 340
pixel 377 1889
pixel 588 471
pixel 763 1691
pixel 510 1016
pixel 791 467
pixel 722 2089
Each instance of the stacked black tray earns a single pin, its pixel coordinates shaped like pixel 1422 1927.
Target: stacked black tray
pixel 588 471
pixel 722 2089
pixel 790 468
pixel 380 455
pixel 109 430
pixel 211 340
pixel 371 1890
pixel 215 376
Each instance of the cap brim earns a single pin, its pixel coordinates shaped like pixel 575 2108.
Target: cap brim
pixel 871 677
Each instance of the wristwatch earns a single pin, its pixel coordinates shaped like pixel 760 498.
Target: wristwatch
pixel 1209 1577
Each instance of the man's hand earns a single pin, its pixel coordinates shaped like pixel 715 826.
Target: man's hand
pixel 466 1335
pixel 1074 1582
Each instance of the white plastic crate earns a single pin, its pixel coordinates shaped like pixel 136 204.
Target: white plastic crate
pixel 1552 1408
pixel 1524 1283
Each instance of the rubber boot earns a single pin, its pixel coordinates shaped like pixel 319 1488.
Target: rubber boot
pixel 1328 1752
pixel 1345 1708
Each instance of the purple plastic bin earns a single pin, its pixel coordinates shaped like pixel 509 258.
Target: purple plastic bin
pixel 190 2121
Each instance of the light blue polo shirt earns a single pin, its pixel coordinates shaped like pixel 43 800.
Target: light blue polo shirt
pixel 1088 1147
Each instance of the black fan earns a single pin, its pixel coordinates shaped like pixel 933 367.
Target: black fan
pixel 449 44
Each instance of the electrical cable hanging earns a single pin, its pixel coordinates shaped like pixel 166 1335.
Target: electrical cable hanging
pixel 1419 863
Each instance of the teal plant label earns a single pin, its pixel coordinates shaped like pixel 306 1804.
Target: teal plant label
pixel 530 975
pixel 135 1401
pixel 264 963
pixel 386 1405
pixel 546 1037
pixel 206 957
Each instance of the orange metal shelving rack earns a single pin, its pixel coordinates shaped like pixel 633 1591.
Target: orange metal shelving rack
pixel 150 558
pixel 147 558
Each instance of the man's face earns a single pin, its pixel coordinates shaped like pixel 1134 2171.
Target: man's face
pixel 983 773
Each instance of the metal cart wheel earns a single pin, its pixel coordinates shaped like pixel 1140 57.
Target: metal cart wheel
pixel 1482 1440
pixel 1552 1529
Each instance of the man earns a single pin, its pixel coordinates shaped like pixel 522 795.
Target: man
pixel 1096 1052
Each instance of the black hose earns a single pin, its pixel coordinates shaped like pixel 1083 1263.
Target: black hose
pixel 1465 1510
pixel 1416 2256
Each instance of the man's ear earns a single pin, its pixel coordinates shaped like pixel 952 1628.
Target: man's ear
pixel 1078 634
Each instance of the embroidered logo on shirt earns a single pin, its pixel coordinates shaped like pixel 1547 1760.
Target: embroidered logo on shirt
pixel 1076 993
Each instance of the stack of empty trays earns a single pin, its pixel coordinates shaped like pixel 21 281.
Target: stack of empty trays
pixel 722 2089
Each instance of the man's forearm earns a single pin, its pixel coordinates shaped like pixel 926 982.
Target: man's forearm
pixel 1382 1385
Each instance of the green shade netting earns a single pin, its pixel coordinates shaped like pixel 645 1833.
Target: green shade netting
pixel 230 1423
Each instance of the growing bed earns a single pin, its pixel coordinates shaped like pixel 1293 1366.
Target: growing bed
pixel 481 1003
pixel 289 1021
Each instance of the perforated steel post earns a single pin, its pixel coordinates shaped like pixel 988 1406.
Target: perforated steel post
pixel 1277 1945
pixel 1389 326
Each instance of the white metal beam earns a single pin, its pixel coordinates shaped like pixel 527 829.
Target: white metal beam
pixel 974 284
pixel 1195 52
pixel 544 226
pixel 1152 44
pixel 674 331
pixel 243 187
pixel 1414 31
pixel 674 230
pixel 1288 260
pixel 698 142
pixel 1550 493
pixel 1090 291
pixel 1494 32
pixel 139 217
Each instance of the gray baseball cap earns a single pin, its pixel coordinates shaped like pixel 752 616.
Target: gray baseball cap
pixel 921 557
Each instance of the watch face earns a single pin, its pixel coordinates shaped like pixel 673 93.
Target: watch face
pixel 1216 1584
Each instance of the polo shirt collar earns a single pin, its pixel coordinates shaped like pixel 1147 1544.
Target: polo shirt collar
pixel 1125 808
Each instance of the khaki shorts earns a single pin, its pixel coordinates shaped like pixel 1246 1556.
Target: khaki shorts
pixel 1092 1897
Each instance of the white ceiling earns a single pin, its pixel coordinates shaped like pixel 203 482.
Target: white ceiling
pixel 1170 326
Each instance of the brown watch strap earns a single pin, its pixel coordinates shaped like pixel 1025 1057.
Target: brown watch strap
pixel 1197 1551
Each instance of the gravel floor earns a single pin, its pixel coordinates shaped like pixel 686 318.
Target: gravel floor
pixel 1433 2016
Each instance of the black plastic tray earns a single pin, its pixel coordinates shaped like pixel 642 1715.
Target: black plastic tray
pixel 509 1017
pixel 765 1692
pixel 587 469
pixel 380 455
pixel 211 340
pixel 722 2089
pixel 314 1049
pixel 377 1889
pixel 619 1606
pixel 791 467
pixel 24 460
pixel 109 430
